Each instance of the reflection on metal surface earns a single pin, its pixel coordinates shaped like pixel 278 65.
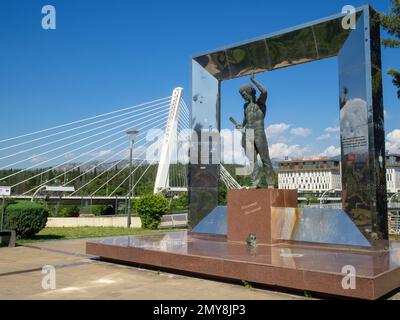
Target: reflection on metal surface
pixel 202 202
pixel 313 41
pixel 203 179
pixel 362 129
pixel 327 226
pixel 292 48
pixel 174 241
pixel 214 223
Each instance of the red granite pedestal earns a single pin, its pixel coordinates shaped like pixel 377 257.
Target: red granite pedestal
pixel 249 212
pixel 310 267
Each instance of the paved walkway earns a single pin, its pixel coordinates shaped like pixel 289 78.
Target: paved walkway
pixel 80 277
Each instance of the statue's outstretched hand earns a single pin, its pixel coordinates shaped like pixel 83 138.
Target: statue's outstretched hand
pixel 252 75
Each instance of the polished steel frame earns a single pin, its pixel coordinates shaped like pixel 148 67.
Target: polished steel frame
pixel 360 102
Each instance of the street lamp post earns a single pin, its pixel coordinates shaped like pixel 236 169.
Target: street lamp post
pixel 131 134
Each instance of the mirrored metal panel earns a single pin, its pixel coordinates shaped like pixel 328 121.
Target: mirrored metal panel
pixel 202 201
pixel 214 223
pixel 243 59
pixel 317 225
pixel 312 41
pixel 362 130
pixel 205 99
pixel 330 37
pixel 203 174
pixel 216 64
pixel 292 48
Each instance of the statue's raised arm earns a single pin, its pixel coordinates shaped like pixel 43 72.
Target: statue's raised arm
pixel 264 93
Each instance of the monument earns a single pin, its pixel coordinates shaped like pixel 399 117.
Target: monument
pixel 262 236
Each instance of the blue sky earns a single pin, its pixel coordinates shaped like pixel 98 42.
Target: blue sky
pixel 110 54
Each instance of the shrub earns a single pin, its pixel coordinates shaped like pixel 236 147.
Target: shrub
pixel 311 199
pixel 26 218
pixel 180 203
pixel 101 210
pixel 95 209
pixel 68 211
pixel 150 209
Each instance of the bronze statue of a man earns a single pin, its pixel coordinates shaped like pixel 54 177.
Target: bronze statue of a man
pixel 254 115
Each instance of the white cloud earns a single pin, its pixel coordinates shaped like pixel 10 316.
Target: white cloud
pixel 232 151
pixel 386 114
pixel 326 136
pixel 231 147
pixel 99 154
pixel 276 130
pixel 69 155
pixel 331 152
pixel 38 159
pixel 301 132
pixel 393 141
pixel 282 150
pixel 332 129
pixel 354 117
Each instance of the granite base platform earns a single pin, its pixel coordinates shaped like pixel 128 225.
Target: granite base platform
pixel 315 268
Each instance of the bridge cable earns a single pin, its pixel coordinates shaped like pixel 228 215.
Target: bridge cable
pixel 90 151
pixel 119 172
pixel 83 120
pixel 74 142
pixel 119 132
pixel 79 127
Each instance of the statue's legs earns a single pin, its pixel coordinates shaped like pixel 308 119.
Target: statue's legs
pixel 261 147
pixel 256 173
pixel 252 155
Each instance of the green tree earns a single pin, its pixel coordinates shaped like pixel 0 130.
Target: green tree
pixel 311 199
pixel 391 23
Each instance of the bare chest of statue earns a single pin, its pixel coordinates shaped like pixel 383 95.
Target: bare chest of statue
pixel 254 116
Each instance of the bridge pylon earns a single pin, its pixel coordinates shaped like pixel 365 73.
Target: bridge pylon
pixel 162 179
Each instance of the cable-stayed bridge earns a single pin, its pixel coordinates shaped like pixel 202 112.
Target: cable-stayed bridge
pixel 91 157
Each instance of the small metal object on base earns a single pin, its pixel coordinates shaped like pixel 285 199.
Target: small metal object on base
pixel 251 240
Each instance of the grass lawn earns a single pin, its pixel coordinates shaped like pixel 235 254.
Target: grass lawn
pixel 51 234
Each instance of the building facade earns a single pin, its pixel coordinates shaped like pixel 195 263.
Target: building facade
pixel 393 173
pixel 313 175
pixel 320 175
